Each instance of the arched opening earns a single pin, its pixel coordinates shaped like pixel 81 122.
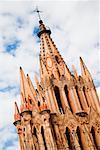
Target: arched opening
pixel 68 138
pixel 57 94
pixel 57 59
pixel 79 138
pixel 30 101
pixel 67 96
pixel 43 136
pixel 35 132
pixel 38 103
pixel 93 137
pixel 35 138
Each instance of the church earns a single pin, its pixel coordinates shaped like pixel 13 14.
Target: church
pixel 63 111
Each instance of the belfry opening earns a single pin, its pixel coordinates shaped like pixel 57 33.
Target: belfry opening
pixel 57 94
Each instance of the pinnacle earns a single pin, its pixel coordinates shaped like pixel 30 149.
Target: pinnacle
pixel 15 103
pixel 80 58
pixel 16 108
pixel 20 68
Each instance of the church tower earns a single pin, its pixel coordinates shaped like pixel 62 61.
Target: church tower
pixel 63 111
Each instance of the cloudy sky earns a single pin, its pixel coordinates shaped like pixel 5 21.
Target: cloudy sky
pixel 75 30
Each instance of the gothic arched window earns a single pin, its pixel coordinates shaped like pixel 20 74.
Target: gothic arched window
pixel 79 137
pixel 43 136
pixel 68 137
pixel 57 94
pixel 67 96
pixel 35 137
pixel 56 57
pixel 93 136
pixel 38 103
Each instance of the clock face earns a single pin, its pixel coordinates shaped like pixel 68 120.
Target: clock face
pixel 49 62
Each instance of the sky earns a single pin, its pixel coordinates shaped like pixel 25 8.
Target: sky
pixel 75 30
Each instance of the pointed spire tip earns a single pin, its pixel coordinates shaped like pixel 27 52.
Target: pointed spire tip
pixel 80 58
pixel 15 103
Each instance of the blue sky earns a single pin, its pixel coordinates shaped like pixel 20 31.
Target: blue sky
pixel 75 30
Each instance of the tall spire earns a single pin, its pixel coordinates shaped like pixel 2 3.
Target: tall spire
pixel 49 53
pixel 26 93
pixel 23 84
pixel 85 72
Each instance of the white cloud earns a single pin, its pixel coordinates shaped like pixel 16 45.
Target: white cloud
pixel 8 138
pixel 75 30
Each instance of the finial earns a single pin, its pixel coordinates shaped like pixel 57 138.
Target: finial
pixel 38 12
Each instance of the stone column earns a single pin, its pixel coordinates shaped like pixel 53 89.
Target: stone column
pixel 47 130
pixel 20 136
pixel 82 99
pixel 59 140
pixel 29 137
pixel 75 140
pixel 50 142
pixel 64 100
pixel 77 100
pixel 86 140
pixel 64 139
pixel 48 100
pixel 24 142
pixel 36 144
pixel 87 97
pixel 23 138
pixel 22 146
pixel 73 101
pixel 54 103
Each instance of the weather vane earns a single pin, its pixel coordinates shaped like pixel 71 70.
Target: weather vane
pixel 38 12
